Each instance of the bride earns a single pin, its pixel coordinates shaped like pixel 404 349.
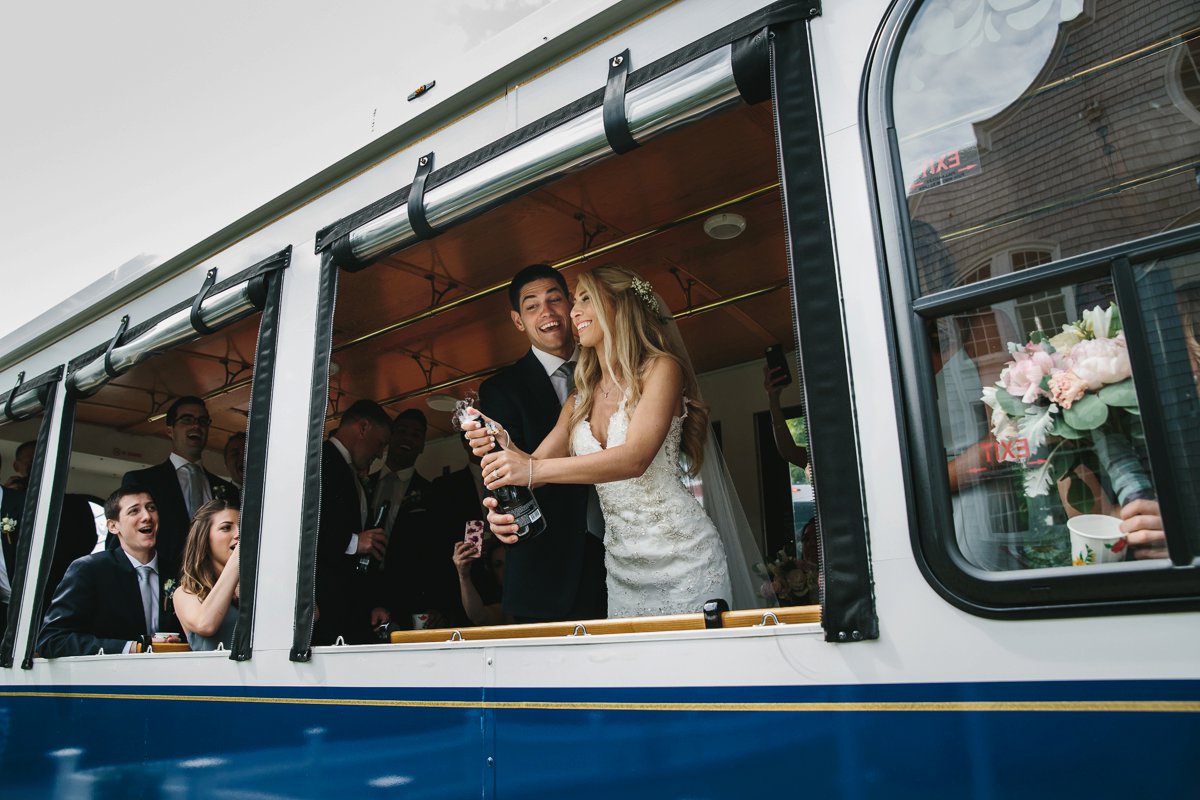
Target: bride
pixel 633 426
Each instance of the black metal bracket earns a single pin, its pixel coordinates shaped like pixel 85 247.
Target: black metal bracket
pixel 416 199
pixel 436 294
pixel 684 286
pixel 616 124
pixel 205 288
pixel 12 394
pixel 426 371
pixel 713 609
pixel 108 367
pixel 589 235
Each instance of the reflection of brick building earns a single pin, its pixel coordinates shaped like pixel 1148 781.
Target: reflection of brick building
pixel 1103 149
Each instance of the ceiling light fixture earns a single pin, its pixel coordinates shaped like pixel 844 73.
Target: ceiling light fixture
pixel 725 226
pixel 442 402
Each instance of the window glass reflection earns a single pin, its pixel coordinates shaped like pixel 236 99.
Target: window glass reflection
pixel 1041 425
pixel 1169 293
pixel 1064 123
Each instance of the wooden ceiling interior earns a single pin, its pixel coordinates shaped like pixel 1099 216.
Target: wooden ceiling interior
pixel 399 334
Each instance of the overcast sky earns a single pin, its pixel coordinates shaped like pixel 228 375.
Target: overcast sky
pixel 133 129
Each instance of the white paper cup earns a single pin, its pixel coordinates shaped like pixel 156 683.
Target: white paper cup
pixel 1096 539
pixel 420 622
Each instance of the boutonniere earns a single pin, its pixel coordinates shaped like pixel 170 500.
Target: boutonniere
pixel 9 526
pixel 413 498
pixel 168 591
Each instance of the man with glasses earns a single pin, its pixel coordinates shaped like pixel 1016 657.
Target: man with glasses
pixel 181 484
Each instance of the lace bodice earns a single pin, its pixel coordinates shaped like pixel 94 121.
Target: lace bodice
pixel 662 552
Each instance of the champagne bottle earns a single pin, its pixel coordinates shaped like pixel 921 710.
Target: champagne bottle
pixel 364 561
pixel 520 502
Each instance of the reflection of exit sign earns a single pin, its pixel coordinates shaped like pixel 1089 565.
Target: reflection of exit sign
pixel 119 453
pixel 947 169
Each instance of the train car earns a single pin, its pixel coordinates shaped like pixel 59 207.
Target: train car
pixel 974 228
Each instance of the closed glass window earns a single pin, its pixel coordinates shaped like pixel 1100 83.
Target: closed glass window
pixel 1056 120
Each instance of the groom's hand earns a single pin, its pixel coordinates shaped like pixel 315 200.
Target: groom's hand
pixel 502 525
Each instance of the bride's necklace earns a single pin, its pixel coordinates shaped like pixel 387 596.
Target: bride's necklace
pixel 610 390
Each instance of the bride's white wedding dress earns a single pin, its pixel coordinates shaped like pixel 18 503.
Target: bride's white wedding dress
pixel 662 552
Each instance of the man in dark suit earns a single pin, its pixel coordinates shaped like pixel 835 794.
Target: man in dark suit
pixel 559 574
pixel 398 483
pixel 22 463
pixel 235 459
pixel 112 600
pixel 420 577
pixel 181 484
pixel 12 505
pixel 343 593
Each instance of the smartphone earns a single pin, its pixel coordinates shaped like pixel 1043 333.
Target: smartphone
pixel 473 535
pixel 778 364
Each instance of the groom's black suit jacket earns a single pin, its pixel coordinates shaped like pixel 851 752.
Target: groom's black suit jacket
pixel 545 577
pixel 99 605
pixel 173 518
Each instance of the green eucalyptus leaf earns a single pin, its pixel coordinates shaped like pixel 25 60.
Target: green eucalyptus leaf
pixel 1114 325
pixel 1010 404
pixel 1087 413
pixel 1065 431
pixel 1120 394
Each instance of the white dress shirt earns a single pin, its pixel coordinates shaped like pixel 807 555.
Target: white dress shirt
pixel 155 591
pixel 392 488
pixel 185 476
pixel 551 363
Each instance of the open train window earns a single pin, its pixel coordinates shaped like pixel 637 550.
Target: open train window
pixel 422 317
pixel 432 322
pixel 160 410
pixel 1045 276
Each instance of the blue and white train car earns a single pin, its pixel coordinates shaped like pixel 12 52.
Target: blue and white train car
pixel 918 185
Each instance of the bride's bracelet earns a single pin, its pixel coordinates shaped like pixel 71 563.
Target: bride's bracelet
pixel 529 485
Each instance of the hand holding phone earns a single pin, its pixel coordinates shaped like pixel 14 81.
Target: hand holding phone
pixel 780 375
pixel 473 535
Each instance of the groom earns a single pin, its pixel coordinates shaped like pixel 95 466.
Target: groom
pixel 559 575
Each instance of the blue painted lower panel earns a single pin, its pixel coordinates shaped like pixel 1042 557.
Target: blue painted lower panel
pixel 825 741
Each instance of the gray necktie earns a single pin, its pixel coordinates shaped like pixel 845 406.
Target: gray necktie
pixel 195 488
pixel 566 372
pixel 149 601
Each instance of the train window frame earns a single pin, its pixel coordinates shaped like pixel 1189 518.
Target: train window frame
pixel 41 397
pixel 256 289
pixel 771 59
pixel 1170 584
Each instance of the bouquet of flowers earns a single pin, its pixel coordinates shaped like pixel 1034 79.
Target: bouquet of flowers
pixel 1069 399
pixel 789 579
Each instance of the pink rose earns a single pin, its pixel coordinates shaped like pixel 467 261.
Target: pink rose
pixel 1023 376
pixel 1100 361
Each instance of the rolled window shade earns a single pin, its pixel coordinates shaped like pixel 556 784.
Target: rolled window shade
pixel 689 92
pixel 28 398
pixel 217 310
pixel 227 303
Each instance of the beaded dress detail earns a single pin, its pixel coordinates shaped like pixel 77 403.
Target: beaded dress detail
pixel 662 552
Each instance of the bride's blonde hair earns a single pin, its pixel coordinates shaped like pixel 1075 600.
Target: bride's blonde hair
pixel 637 329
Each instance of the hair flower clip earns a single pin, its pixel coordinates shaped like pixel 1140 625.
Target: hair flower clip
pixel 645 292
